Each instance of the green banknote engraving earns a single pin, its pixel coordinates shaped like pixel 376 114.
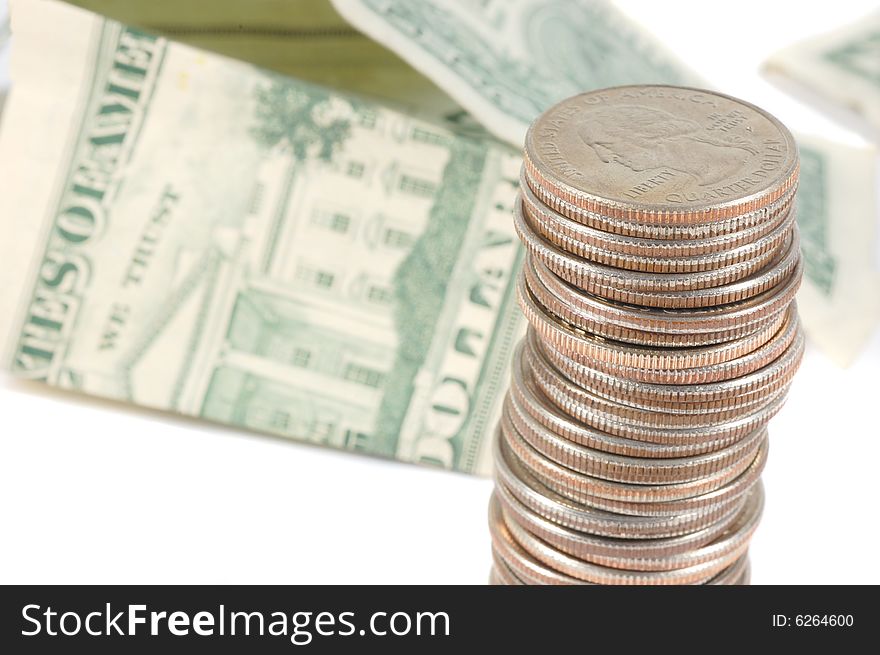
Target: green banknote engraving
pixel 813 208
pixel 269 254
pixel 859 57
pixel 119 93
pixel 572 47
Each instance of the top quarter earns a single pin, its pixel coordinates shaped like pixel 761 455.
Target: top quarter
pixel 660 154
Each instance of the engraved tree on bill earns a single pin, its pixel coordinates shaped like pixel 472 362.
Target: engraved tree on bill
pixel 308 120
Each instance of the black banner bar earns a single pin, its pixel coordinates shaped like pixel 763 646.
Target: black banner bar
pixel 428 619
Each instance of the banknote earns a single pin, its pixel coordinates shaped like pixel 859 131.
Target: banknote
pixel 507 62
pixel 841 67
pixel 198 235
pixel 837 215
pixel 5 32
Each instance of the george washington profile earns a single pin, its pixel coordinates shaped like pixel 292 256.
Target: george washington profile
pixel 644 139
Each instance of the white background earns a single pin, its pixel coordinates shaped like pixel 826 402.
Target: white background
pixel 94 492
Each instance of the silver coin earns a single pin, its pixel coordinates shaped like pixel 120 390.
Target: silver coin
pixel 711 156
pixel 689 507
pixel 575 308
pixel 745 391
pixel 727 284
pixel 597 574
pixel 718 541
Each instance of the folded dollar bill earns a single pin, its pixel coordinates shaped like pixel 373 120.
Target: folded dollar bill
pixel 198 235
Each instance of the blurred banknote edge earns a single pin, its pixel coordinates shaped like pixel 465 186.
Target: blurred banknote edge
pixel 5 38
pixel 839 70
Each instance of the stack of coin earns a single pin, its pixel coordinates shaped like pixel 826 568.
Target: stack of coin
pixel 662 263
